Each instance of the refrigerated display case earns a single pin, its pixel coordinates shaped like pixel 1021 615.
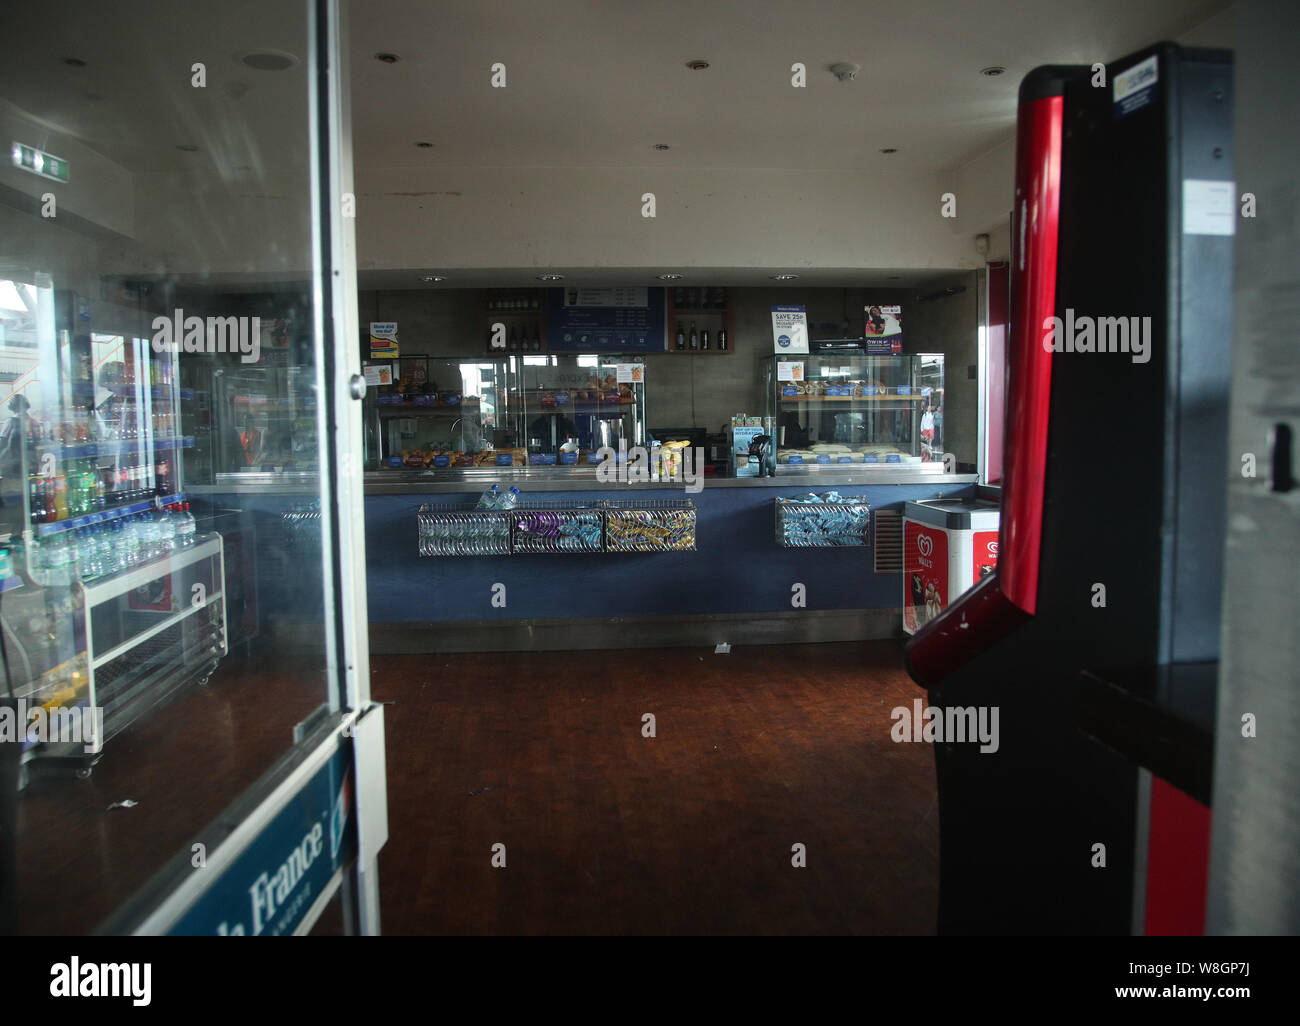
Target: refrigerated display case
pixel 849 410
pixel 264 421
pixel 112 600
pixel 446 416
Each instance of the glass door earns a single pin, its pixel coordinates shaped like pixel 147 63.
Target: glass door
pixel 181 621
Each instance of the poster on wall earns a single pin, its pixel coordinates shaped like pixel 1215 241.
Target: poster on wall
pixel 884 329
pixel 789 329
pixel 383 340
pixel 606 320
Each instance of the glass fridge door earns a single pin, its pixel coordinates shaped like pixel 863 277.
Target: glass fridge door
pixel 194 643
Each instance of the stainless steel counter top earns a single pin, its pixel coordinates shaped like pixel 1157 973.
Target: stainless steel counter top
pixel 556 479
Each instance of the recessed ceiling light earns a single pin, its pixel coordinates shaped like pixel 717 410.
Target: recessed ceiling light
pixel 74 62
pixel 550 277
pixel 425 145
pixel 783 277
pixel 267 60
pixel 993 72
pixel 387 58
pixel 697 65
pixel 432 279
pixel 889 149
pixel 188 148
pixel 662 146
pixel 669 277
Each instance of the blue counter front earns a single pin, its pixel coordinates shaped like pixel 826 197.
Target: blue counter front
pixel 737 566
pixel 738 571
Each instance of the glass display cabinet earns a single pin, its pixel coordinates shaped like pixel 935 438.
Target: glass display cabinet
pixel 854 410
pixel 101 568
pixel 455 414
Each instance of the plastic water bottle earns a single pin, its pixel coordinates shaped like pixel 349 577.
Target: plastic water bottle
pixel 491 497
pixel 148 533
pixel 166 530
pixel 508 500
pixel 185 527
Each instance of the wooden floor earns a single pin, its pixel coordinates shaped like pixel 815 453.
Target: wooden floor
pixel 605 831
pixel 689 832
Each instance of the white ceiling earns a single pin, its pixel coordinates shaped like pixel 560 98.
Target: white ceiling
pixel 598 83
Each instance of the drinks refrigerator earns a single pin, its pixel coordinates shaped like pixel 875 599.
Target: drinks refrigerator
pixel 100 564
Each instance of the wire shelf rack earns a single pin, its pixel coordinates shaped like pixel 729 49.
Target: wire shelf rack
pixel 816 525
pixel 451 530
pixel 656 525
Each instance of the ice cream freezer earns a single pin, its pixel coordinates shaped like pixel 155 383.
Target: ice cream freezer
pixel 948 545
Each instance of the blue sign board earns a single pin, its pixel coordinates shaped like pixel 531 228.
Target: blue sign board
pixel 268 890
pixel 608 320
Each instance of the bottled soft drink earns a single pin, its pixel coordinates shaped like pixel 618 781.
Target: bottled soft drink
pixel 490 497
pixel 185 526
pixel 508 500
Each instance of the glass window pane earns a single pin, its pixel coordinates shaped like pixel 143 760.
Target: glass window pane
pixel 162 613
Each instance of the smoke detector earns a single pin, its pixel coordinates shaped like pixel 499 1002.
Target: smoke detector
pixel 845 72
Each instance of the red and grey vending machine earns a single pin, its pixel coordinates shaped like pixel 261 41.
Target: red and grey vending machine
pixel 1096 636
pixel 948 546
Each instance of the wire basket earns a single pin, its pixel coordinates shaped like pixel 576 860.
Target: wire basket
pixel 822 524
pixel 543 527
pixel 657 525
pixel 451 530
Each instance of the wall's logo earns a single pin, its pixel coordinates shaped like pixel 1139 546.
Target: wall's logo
pixel 179 333
pixel 924 544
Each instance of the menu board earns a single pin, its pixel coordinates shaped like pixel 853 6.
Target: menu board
pixel 606 320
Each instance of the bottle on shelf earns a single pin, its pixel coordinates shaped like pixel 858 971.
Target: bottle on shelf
pixel 681 334
pixel 722 339
pixel 490 497
pixel 695 338
pixel 186 529
pixel 509 499
pixel 704 339
pixel 167 523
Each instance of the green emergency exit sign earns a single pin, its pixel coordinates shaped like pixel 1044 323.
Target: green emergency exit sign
pixel 38 162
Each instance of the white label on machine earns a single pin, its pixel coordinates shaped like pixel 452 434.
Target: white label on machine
pixel 1209 207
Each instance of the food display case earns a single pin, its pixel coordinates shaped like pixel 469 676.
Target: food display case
pixel 112 600
pixel 850 411
pixel 450 416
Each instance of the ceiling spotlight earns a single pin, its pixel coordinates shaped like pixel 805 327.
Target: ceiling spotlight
pixel 550 277
pixel 697 65
pixel 387 58
pixel 669 277
pixel 425 145
pixel 889 149
pixel 267 60
pixel 992 72
pixel 783 277
pixel 844 71
pixel 662 146
pixel 432 279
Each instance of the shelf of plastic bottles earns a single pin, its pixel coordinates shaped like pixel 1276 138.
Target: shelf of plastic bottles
pixel 106 515
pixel 102 589
pixel 463 530
pixel 821 521
pixel 118 446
